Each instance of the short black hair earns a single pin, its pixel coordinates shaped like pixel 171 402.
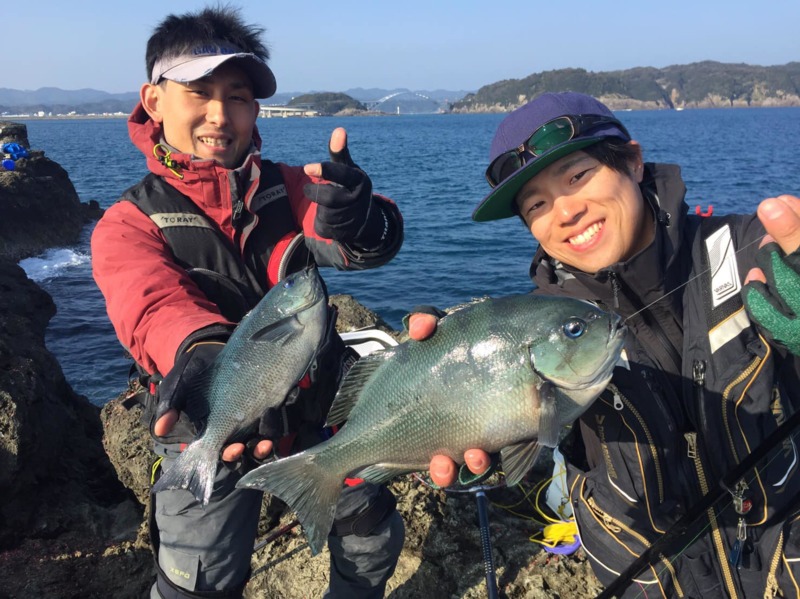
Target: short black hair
pixel 177 34
pixel 617 154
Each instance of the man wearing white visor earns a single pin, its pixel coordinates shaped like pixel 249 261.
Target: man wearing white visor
pixel 188 251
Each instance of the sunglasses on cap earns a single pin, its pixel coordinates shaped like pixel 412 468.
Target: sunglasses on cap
pixel 549 135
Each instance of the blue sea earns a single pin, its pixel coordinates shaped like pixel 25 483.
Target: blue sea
pixel 432 166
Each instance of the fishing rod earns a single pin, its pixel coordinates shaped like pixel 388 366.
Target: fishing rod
pixel 678 530
pixel 482 501
pixel 486 543
pixel 274 535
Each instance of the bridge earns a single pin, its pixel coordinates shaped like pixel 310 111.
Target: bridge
pixel 405 102
pixel 285 111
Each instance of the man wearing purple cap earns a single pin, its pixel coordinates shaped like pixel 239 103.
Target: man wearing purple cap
pixel 189 250
pixel 710 367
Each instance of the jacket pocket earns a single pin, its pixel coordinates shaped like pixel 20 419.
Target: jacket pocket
pixel 614 534
pixel 629 454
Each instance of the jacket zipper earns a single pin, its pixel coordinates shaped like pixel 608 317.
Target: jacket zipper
pixel 725 401
pixel 615 526
pixel 772 587
pixel 621 401
pixel 694 455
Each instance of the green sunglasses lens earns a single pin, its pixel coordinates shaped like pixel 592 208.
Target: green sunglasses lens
pixel 503 166
pixel 549 135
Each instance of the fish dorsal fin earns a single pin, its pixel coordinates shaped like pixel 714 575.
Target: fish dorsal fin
pixel 350 389
pixel 279 332
pixel 518 459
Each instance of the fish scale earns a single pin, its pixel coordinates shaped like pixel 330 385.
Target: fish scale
pixel 494 371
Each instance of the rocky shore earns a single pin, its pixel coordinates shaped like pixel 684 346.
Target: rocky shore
pixel 74 478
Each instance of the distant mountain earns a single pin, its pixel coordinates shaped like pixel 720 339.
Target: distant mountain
pixel 697 85
pixel 54 95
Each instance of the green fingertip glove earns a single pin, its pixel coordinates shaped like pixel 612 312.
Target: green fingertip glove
pixel 775 306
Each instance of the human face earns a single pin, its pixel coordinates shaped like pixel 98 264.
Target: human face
pixel 211 118
pixel 586 214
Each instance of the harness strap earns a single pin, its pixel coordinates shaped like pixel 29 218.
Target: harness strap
pixel 362 524
pixel 169 590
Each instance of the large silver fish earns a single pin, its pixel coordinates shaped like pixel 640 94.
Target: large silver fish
pixel 501 374
pixel 264 358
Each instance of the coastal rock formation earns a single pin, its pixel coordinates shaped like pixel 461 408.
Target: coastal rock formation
pixel 706 84
pixel 39 207
pixel 74 479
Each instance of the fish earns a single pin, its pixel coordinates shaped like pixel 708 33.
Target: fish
pixel 503 374
pixel 266 355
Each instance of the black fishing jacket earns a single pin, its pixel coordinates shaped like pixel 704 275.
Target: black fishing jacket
pixel 697 389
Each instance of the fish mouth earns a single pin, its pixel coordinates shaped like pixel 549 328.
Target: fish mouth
pixel 315 293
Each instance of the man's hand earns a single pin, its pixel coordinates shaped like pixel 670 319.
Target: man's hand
pixel 345 210
pixel 175 396
pixel 772 291
pixel 443 470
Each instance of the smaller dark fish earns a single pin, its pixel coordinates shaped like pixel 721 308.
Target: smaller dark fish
pixel 264 358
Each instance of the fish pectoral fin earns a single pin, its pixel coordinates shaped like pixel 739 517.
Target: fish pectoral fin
pixel 518 459
pixel 350 389
pixel 383 473
pixel 279 332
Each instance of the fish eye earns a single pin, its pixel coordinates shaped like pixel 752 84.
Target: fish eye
pixel 288 283
pixel 574 328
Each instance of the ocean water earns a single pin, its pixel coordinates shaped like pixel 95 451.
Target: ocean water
pixel 432 166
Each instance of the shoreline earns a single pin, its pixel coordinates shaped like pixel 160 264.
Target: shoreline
pixel 78 117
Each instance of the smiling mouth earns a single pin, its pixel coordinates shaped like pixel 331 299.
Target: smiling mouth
pixel 587 235
pixel 214 142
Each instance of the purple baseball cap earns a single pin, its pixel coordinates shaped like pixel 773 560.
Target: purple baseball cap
pixel 200 61
pixel 517 128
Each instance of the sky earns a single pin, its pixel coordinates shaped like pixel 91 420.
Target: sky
pixel 420 45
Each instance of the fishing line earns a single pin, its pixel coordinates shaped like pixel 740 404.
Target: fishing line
pixel 697 276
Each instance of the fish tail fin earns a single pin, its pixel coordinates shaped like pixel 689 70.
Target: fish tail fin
pixel 194 469
pixel 307 487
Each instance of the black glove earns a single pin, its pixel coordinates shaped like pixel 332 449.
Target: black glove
pixel 346 211
pixel 181 388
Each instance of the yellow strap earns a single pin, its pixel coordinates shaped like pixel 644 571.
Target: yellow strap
pixel 154 469
pixel 554 534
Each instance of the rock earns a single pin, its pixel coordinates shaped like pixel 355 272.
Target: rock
pixel 13 132
pixel 59 492
pixel 39 207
